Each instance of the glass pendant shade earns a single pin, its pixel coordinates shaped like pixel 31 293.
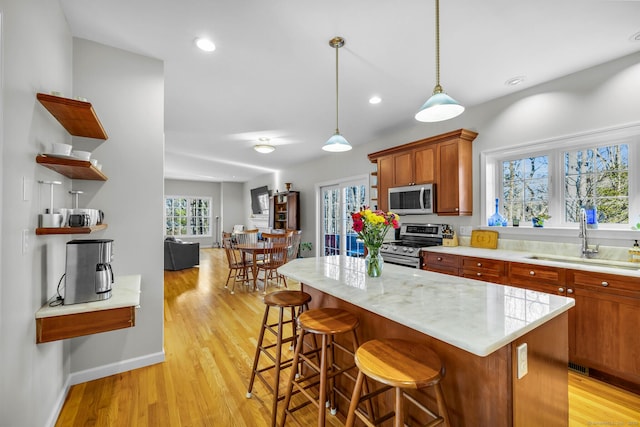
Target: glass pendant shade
pixel 438 108
pixel 336 144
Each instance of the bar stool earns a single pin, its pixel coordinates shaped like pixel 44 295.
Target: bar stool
pixel 399 364
pixel 281 300
pixel 327 323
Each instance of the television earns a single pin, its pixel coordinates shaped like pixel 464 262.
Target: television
pixel 260 200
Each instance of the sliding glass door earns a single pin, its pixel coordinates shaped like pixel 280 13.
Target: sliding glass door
pixel 337 203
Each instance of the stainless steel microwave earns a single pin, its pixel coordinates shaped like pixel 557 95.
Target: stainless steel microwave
pixel 412 199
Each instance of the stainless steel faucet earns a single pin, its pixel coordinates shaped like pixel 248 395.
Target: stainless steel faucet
pixel 586 251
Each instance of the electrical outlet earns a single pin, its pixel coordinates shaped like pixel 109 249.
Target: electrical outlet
pixel 465 230
pixel 523 366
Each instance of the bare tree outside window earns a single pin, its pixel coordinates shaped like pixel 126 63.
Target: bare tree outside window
pixel 187 216
pixel 598 177
pixel 525 187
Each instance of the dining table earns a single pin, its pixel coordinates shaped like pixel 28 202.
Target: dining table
pixel 255 249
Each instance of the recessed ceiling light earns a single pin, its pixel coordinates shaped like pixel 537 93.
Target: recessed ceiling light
pixel 375 100
pixel 264 148
pixel 515 81
pixel 205 44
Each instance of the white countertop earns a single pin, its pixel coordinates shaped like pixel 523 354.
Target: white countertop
pixel 125 292
pixel 475 316
pixel 593 264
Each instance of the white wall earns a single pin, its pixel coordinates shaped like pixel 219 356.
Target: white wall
pixel 127 91
pixel 233 208
pixel 599 97
pixel 174 187
pixel 36 57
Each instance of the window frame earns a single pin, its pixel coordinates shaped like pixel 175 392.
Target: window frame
pixel 491 174
pixel 189 200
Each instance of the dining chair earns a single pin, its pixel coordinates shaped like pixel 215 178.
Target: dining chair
pixel 294 249
pixel 246 236
pixel 238 267
pixel 278 245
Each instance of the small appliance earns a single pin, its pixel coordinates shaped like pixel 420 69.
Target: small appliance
pixel 412 199
pixel 405 250
pixel 88 273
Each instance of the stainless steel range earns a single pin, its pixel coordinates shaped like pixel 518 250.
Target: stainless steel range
pixel 405 250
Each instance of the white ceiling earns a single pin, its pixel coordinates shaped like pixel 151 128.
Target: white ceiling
pixel 273 72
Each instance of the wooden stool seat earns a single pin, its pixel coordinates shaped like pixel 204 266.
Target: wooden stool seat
pixel 328 321
pixel 281 300
pixel 398 364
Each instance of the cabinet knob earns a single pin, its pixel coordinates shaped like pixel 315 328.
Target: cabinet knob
pixel 569 291
pixel 532 273
pixel 561 290
pixel 605 284
pixel 478 274
pixel 479 264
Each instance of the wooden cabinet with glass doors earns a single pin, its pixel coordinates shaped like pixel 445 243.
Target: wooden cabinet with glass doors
pixel 284 211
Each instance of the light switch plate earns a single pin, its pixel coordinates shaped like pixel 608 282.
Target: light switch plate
pixel 523 366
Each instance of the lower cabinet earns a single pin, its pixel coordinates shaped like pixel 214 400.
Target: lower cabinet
pixel 607 316
pixel 603 324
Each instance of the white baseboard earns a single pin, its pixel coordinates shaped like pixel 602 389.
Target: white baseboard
pixel 101 372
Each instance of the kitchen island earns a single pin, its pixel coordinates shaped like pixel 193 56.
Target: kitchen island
pixel 475 327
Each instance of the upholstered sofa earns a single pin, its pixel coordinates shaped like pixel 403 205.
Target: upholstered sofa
pixel 179 255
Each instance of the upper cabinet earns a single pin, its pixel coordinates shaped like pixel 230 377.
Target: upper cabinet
pixel 445 160
pixel 77 117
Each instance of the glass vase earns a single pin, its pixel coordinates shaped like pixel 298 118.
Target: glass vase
pixel 373 262
pixel 497 220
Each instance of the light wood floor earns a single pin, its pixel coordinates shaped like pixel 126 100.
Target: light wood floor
pixel 210 339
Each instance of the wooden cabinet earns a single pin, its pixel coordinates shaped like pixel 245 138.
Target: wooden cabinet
pixel 445 160
pixel 441 263
pixel 284 211
pixel 485 269
pixel 607 315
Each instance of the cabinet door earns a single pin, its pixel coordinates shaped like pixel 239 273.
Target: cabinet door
pixel 607 319
pixel 293 211
pixel 385 181
pixel 403 169
pixel 425 165
pixel 455 187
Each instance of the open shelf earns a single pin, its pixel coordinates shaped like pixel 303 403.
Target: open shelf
pixel 71 168
pixel 41 231
pixel 77 117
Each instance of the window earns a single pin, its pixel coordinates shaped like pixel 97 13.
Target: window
pixel 187 216
pixel 560 177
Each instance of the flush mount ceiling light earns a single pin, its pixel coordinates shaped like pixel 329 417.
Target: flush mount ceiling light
pixel 375 100
pixel 337 142
pixel 440 106
pixel 264 148
pixel 205 44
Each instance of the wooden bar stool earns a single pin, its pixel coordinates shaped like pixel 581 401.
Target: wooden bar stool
pixel 398 364
pixel 282 300
pixel 326 323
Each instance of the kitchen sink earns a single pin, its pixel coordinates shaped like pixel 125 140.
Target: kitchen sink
pixel 588 261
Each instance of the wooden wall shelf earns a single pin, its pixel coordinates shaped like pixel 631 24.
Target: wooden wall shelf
pixel 77 117
pixel 72 168
pixel 42 231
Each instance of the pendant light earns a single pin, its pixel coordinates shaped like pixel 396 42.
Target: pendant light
pixel 440 106
pixel 337 142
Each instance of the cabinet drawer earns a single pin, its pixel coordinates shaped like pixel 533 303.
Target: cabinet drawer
pixel 523 274
pixel 441 263
pixel 603 282
pixel 483 264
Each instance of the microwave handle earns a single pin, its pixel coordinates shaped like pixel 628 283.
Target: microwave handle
pixel 421 198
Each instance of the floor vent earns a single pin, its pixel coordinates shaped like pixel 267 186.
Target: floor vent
pixel 577 368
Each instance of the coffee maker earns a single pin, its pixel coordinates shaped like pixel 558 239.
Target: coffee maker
pixel 88 275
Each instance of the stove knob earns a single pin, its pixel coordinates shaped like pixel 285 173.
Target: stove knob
pixel 394 248
pixel 410 250
pixel 404 249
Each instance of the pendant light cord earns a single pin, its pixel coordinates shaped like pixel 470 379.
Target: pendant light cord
pixel 337 127
pixel 438 88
